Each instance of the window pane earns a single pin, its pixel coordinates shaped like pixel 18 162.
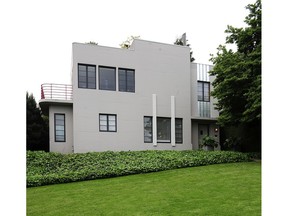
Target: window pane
pixel 122 80
pixel 163 129
pixel 81 67
pixel 178 130
pixel 107 78
pixel 206 92
pixel 112 128
pixel 59 129
pixel 59 138
pixel 103 117
pixel 103 122
pixel 200 91
pixel 148 130
pixel 60 133
pixel 112 117
pixel 103 128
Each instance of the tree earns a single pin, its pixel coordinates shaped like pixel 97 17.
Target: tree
pixel 237 86
pixel 126 44
pixel 37 135
pixel 183 42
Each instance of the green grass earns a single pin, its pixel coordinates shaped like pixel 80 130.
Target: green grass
pixel 222 189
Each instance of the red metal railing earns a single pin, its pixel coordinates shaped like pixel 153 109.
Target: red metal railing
pixel 56 91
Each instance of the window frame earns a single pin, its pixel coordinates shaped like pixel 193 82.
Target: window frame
pixel 87 78
pixel 107 122
pixel 202 91
pixel 55 124
pixel 99 77
pixel 126 81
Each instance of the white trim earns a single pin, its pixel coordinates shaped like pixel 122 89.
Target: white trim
pixel 154 126
pixel 173 138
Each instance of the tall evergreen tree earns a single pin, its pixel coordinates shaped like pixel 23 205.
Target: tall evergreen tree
pixel 37 135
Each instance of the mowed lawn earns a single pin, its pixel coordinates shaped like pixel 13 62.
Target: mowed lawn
pixel 222 189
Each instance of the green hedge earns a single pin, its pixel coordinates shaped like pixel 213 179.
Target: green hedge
pixel 52 168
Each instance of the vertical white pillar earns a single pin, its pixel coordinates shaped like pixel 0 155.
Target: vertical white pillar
pixel 173 115
pixel 154 123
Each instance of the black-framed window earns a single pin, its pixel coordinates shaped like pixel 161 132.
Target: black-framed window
pixel 126 79
pixel 178 130
pixel 86 76
pixel 107 122
pixel 107 78
pixel 203 90
pixel 148 129
pixel 59 127
pixel 163 130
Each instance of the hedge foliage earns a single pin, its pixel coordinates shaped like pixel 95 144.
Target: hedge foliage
pixel 52 168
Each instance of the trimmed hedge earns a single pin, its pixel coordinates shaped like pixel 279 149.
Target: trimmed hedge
pixel 52 168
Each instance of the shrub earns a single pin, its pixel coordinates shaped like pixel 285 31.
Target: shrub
pixel 52 168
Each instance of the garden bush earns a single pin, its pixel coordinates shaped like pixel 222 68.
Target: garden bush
pixel 52 168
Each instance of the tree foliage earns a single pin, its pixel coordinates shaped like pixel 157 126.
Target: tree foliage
pixel 37 132
pixel 237 86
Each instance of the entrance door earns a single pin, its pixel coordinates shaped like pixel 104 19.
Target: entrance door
pixel 203 130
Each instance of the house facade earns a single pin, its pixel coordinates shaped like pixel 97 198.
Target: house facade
pixel 146 97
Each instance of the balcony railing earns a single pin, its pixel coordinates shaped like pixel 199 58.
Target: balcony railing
pixel 56 91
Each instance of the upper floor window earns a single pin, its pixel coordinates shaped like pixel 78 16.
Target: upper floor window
pixel 59 127
pixel 203 90
pixel 87 76
pixel 126 80
pixel 107 78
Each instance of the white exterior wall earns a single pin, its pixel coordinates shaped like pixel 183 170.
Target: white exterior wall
pixel 160 69
pixel 67 146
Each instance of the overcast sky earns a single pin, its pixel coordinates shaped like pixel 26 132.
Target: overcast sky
pixel 45 30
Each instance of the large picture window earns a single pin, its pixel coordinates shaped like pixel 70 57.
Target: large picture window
pixel 86 76
pixel 163 130
pixel 108 122
pixel 59 127
pixel 107 78
pixel 203 90
pixel 126 80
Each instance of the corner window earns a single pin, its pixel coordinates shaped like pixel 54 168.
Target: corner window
pixel 86 76
pixel 203 91
pixel 126 80
pixel 59 127
pixel 148 131
pixel 163 130
pixel 108 122
pixel 107 78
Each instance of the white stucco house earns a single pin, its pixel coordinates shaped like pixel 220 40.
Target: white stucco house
pixel 149 96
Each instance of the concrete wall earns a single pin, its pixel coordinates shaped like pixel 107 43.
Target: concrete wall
pixel 160 69
pixel 67 146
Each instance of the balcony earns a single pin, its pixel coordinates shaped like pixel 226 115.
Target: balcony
pixel 53 91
